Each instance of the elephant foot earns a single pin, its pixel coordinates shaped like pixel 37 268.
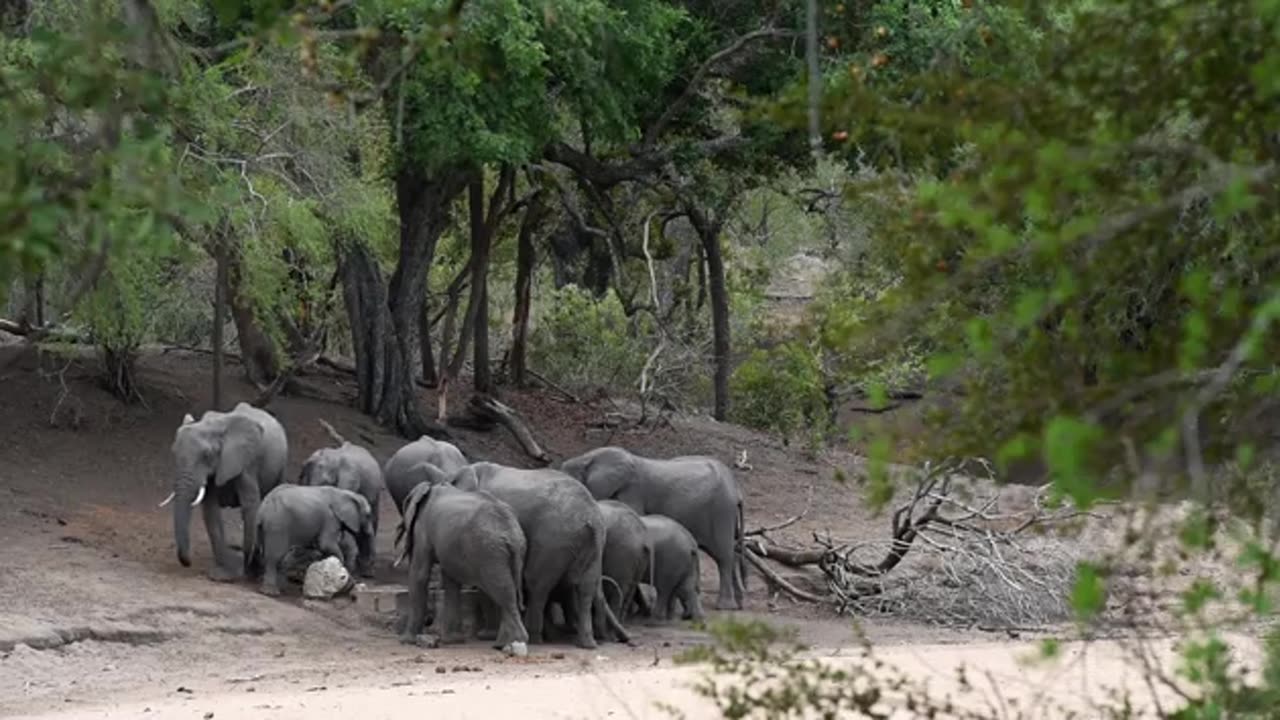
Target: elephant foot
pixel 586 643
pixel 486 634
pixel 270 590
pixel 221 574
pixel 728 605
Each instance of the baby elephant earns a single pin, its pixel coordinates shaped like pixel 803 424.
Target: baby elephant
pixel 478 542
pixel 321 517
pixel 676 572
pixel 349 467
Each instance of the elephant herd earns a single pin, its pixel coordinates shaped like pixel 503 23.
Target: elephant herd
pixel 605 534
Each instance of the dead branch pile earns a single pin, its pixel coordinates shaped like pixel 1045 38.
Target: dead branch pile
pixel 955 556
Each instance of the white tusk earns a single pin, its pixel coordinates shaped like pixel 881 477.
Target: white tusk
pixel 167 500
pixel 199 497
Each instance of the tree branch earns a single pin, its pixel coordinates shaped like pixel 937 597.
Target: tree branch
pixel 686 96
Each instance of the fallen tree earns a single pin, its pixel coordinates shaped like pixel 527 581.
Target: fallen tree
pixel 976 563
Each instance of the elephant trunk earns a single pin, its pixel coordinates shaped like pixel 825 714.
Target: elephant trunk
pixel 184 494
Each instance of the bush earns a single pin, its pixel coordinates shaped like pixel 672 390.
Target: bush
pixel 585 344
pixel 782 390
pixel 121 314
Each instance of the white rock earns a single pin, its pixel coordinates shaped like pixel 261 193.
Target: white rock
pixel 326 578
pixel 518 649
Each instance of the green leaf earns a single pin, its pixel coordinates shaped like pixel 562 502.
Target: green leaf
pixel 1029 306
pixel 1197 529
pixel 1068 443
pixel 1088 594
pixel 942 364
pixel 1200 594
pixel 1236 198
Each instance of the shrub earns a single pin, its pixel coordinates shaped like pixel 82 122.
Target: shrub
pixel 782 390
pixel 584 343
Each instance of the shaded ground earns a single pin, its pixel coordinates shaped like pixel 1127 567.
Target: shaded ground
pixel 90 566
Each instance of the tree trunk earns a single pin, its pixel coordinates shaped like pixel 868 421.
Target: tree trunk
pixel 365 295
pixel 385 318
pixel 423 204
pixel 429 375
pixel 257 351
pixel 219 319
pixel 482 378
pixel 525 260
pixel 479 266
pixel 709 235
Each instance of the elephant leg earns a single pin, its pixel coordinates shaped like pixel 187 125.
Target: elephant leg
pixel 510 628
pixel 486 617
pixel 450 610
pixel 274 547
pixel 330 543
pixel 585 612
pixel 662 607
pixel 688 595
pixel 726 563
pixel 419 614
pixel 535 608
pixel 224 565
pixel 368 561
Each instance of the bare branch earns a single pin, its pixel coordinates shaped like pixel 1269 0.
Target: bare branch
pixel 678 105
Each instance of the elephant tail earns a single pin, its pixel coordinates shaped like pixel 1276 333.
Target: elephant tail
pixel 333 434
pixel 741 554
pixel 610 619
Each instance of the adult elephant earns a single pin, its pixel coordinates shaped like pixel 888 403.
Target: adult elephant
pixel 565 535
pixel 400 475
pixel 697 491
pixel 234 458
pixel 353 468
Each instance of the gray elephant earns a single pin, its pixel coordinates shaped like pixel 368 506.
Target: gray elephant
pixel 400 476
pixel 565 533
pixel 628 555
pixel 350 467
pixel 299 517
pixel 697 491
pixel 676 573
pixel 235 458
pixel 477 541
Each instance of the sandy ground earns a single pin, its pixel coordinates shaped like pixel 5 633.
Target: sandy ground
pixel 1004 682
pixel 88 567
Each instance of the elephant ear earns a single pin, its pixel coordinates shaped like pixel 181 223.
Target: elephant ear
pixel 308 471
pixel 240 443
pixel 352 512
pixel 412 506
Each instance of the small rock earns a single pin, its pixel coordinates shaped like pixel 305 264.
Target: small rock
pixel 440 669
pixel 517 649
pixel 326 579
pixel 185 689
pixel 208 715
pixel 557 656
pixel 459 668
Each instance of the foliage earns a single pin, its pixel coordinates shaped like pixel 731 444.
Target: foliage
pixel 85 141
pixel 781 390
pixel 585 343
pixel 120 314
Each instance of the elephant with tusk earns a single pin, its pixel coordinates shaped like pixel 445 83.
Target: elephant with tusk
pixel 230 459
